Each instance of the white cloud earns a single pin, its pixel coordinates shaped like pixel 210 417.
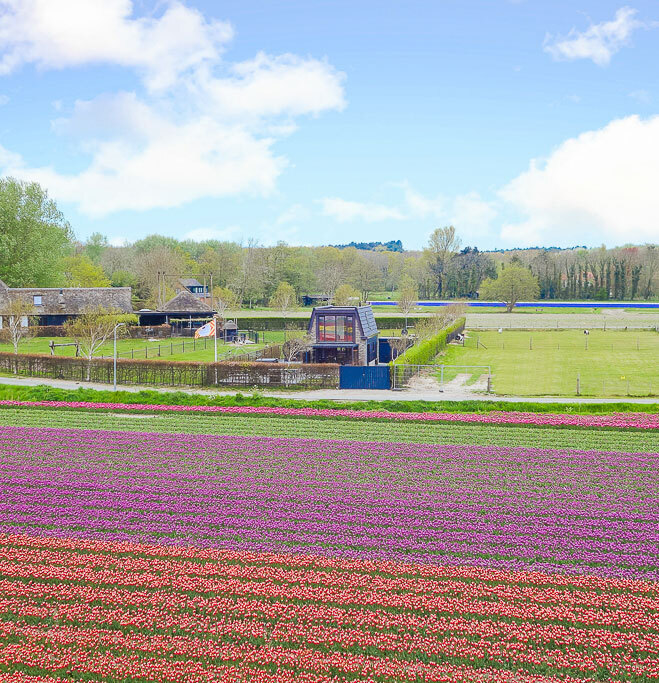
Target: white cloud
pixel 344 211
pixel 286 85
pixel 599 42
pixel 204 127
pixel 422 207
pixel 203 234
pixel 55 34
pixel 598 187
pixel 118 241
pixel 149 160
pixel 471 214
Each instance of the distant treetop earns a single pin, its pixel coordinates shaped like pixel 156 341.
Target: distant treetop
pixel 392 245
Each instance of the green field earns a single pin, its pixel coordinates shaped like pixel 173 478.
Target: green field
pixel 170 349
pixel 548 362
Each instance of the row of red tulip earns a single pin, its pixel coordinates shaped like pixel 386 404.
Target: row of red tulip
pixel 191 615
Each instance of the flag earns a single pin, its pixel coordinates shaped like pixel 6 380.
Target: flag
pixel 208 330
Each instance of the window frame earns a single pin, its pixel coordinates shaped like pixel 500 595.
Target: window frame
pixel 343 321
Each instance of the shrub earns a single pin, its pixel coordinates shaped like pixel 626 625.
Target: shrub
pixel 174 373
pixel 425 351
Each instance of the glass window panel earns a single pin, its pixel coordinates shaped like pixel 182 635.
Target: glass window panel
pixel 340 334
pixel 349 328
pixel 327 328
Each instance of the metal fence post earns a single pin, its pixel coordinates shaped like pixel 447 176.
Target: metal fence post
pixel 578 383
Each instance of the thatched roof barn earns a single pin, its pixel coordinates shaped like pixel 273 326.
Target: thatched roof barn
pixel 55 305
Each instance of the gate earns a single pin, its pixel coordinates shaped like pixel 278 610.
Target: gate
pixel 403 374
pixel 364 377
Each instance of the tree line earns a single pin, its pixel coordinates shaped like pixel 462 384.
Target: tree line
pixel 38 249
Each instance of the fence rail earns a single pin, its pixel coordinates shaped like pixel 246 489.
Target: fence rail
pixel 402 375
pixel 562 321
pixel 174 373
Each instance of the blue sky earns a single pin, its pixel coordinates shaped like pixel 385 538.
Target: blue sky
pixel 522 123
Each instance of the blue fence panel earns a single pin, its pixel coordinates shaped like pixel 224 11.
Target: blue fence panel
pixel 364 377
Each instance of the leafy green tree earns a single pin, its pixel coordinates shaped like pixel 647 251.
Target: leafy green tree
pixel 515 283
pixel 443 243
pixel 407 297
pixel 81 272
pixel 16 314
pixel 34 236
pixel 346 295
pixel 284 298
pixel 95 245
pixel 94 327
pixel 224 299
pixel 365 276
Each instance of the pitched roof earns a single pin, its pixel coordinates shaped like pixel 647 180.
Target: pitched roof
pixel 72 300
pixel 187 302
pixel 367 319
pixel 190 282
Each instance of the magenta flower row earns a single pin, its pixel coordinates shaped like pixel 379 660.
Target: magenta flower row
pixel 551 510
pixel 621 420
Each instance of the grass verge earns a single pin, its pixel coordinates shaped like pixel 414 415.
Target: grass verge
pixel 48 393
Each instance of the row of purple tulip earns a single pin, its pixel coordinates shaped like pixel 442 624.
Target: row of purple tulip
pixel 525 508
pixel 616 420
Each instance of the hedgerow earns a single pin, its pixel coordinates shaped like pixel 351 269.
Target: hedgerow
pixel 425 352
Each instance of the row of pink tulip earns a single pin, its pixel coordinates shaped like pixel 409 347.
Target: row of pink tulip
pixel 619 420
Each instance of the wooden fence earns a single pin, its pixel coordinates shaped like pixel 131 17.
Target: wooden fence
pixel 174 373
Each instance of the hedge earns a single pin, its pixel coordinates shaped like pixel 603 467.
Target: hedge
pixel 425 352
pixel 174 373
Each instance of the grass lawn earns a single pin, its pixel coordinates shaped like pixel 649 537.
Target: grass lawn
pixel 170 349
pixel 547 362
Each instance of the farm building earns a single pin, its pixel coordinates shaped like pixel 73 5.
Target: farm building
pixel 347 335
pixel 56 305
pixel 186 310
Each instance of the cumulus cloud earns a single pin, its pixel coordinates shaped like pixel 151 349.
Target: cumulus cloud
pixel 471 213
pixel 344 211
pixel 599 42
pixel 274 86
pixel 202 127
pixel 55 34
pixel 148 160
pixel 211 233
pixel 598 187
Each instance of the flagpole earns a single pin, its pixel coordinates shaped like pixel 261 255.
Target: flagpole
pixel 215 335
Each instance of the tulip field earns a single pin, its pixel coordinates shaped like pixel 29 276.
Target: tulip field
pixel 181 543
